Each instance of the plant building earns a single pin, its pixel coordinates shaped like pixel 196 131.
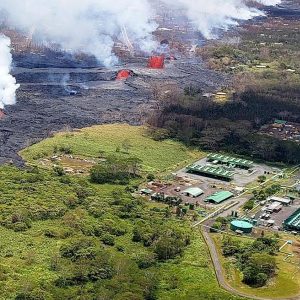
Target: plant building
pixel 219 197
pixel 293 221
pixel 230 161
pixel 211 171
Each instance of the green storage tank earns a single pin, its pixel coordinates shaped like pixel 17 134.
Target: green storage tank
pixel 241 225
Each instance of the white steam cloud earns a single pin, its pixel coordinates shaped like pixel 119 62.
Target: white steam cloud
pixel 92 26
pixel 210 15
pixel 8 85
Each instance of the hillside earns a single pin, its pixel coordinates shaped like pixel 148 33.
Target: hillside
pixel 63 237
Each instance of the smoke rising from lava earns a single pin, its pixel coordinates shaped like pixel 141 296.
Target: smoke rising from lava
pixel 212 15
pixel 8 85
pixel 92 26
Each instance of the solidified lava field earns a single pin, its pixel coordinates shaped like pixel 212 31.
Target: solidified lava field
pixel 56 94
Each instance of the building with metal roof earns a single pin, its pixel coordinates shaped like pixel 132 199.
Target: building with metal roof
pixel 219 197
pixel 230 160
pixel 147 192
pixel 211 171
pixel 193 192
pixel 284 201
pixel 293 221
pixel 280 122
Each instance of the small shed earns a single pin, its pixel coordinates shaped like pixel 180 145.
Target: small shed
pixel 146 192
pixel 193 192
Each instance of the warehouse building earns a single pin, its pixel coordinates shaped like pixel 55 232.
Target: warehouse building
pixel 193 192
pixel 211 171
pixel 219 197
pixel 283 201
pixel 293 221
pixel 230 161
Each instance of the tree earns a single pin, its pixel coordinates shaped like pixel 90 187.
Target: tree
pixel 78 249
pixel 258 269
pixel 216 227
pixel 262 178
pixel 249 205
pixel 59 171
pixel 171 243
pixel 150 177
pixel 115 170
pixel 108 239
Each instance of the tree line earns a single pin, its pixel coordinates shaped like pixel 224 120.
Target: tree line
pixel 232 126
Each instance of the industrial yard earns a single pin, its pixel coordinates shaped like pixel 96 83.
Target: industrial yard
pixel 217 168
pixel 210 186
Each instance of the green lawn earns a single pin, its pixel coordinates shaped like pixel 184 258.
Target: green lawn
pixel 156 156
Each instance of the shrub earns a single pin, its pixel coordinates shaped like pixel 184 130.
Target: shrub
pixel 59 171
pixel 78 249
pixel 108 239
pixel 65 149
pixel 145 260
pixel 150 177
pixel 249 205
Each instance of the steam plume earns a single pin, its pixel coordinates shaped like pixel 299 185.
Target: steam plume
pixel 92 26
pixel 8 84
pixel 211 15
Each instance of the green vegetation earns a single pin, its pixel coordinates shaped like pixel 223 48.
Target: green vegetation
pixel 64 237
pixel 255 260
pixel 118 139
pixel 249 205
pixel 115 170
pixel 282 285
pixel 264 63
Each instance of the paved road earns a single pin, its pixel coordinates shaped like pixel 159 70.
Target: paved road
pixel 219 272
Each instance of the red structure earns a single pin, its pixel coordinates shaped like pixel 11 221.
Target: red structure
pixel 124 74
pixel 156 62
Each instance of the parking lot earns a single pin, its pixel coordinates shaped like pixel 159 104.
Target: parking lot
pixel 280 216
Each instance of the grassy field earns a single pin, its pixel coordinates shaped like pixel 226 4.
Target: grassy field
pixel 284 285
pixel 108 139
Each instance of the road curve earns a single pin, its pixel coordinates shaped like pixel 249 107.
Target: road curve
pixel 219 272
